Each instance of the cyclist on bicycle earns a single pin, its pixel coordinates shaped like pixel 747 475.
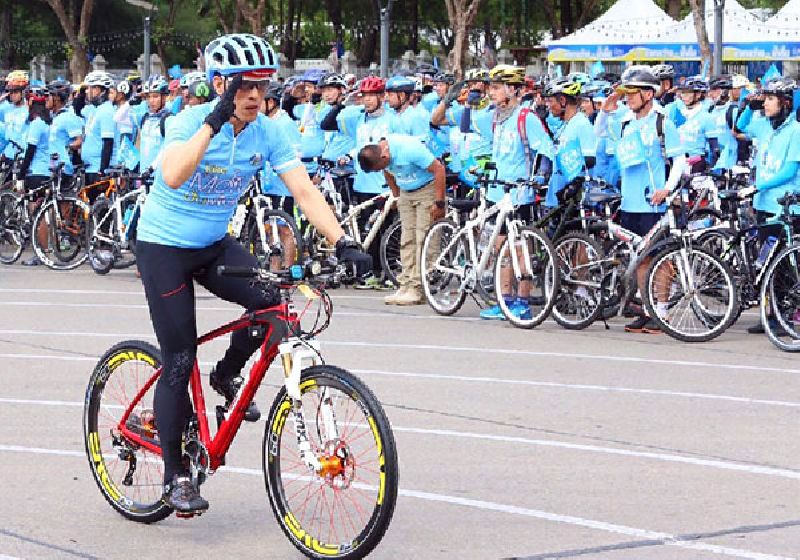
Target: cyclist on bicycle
pixel 153 125
pixel 777 138
pixel 723 114
pixel 665 74
pixel 15 114
pixel 399 90
pixel 211 152
pixel 99 144
pixel 648 140
pixel 66 130
pixel 337 144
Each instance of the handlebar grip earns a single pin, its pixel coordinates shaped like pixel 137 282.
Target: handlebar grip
pixel 237 271
pixel 789 198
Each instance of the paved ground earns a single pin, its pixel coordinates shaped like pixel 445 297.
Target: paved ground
pixel 542 444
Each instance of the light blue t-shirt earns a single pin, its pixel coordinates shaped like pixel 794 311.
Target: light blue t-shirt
pixel 308 119
pixel 642 164
pixel 479 141
pixel 139 111
pixel 575 141
pixel 16 127
pixel 38 135
pixel 150 138
pixel 430 101
pixel 779 150
pixel 694 132
pixel 508 153
pixel 197 213
pixel 177 105
pixel 272 184
pixel 364 130
pixel 413 121
pixel 718 128
pixel 99 126
pixel 676 111
pixel 409 161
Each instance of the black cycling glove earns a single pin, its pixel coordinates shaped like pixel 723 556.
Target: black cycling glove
pixel 348 251
pixel 223 112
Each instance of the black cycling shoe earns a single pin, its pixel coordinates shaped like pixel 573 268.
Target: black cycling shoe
pixel 228 389
pixel 181 495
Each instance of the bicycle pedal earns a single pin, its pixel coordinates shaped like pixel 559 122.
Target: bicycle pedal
pixel 188 514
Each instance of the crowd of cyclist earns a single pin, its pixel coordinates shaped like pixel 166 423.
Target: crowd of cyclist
pixel 639 132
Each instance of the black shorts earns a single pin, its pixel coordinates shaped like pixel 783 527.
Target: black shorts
pixel 639 222
pixel 285 203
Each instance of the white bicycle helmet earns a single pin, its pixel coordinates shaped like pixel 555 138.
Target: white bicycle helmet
pixel 124 87
pixel 336 80
pixel 156 84
pixel 191 77
pixel 238 53
pixel 740 81
pixel 99 78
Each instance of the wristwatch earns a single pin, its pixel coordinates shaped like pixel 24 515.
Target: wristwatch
pixel 438 203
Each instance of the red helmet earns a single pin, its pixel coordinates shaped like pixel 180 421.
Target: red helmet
pixel 37 94
pixel 372 84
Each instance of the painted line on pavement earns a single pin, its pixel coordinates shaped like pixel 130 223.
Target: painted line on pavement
pixel 464 349
pixel 668 539
pixel 665 457
pixel 135 293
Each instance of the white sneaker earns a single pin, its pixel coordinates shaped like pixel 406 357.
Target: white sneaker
pixel 392 299
pixel 412 296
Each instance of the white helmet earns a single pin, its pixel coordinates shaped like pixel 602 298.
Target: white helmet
pixel 156 84
pixel 237 53
pixel 124 87
pixel 191 77
pixel 99 78
pixel 740 81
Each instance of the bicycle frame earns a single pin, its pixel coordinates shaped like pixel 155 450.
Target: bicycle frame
pixel 116 212
pixel 350 222
pixel 294 353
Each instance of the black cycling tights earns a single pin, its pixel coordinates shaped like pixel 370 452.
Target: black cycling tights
pixel 168 274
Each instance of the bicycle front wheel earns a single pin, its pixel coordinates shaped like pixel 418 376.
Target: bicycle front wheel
pixel 65 224
pixel 780 300
pixel 275 241
pixel 691 294
pixel 582 271
pixel 390 252
pixel 12 239
pixel 343 510
pixel 443 267
pixel 526 278
pixel 128 475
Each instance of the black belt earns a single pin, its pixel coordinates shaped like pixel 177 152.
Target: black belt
pixel 308 159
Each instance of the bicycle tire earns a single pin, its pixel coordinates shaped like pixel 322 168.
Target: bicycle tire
pixel 100 254
pixel 100 451
pixel 391 264
pixel 434 281
pixel 368 416
pixel 698 308
pixel 73 229
pixel 260 234
pixel 777 303
pixel 544 275
pixel 587 305
pixel 12 238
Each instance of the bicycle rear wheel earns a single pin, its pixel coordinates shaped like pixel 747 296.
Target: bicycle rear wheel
pixel 276 241
pixel 129 476
pixel 12 239
pixel 443 267
pixel 535 287
pixel 691 294
pixel 780 300
pixel 343 511
pixel 66 233
pixel 101 227
pixel 390 252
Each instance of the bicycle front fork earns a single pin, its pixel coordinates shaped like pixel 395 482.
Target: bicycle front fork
pixel 294 354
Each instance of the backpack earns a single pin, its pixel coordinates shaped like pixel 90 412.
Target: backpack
pixel 523 134
pixel 659 131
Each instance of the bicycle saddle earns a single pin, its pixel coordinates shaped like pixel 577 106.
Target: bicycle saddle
pixel 602 197
pixel 464 204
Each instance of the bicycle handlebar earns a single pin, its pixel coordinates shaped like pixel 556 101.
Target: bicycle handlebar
pixel 307 271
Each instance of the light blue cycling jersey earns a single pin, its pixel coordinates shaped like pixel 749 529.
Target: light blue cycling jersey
pixel 139 111
pixel 413 121
pixel 364 130
pixel 676 111
pixel 177 105
pixel 719 129
pixel 309 118
pixel 100 125
pixel 642 164
pixel 38 135
pixel 150 138
pixel 694 132
pixel 196 214
pixel 508 153
pixel 337 144
pixel 574 142
pixel 16 127
pixel 64 130
pixel 430 101
pixel 409 160
pixel 479 143
pixel 271 183
pixel 5 106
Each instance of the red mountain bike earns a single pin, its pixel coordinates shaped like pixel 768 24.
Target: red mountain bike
pixel 331 477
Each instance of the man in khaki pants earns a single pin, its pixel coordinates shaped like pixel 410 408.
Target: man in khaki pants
pixel 417 178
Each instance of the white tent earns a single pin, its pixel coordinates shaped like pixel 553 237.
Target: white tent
pixel 623 23
pixel 785 25
pixel 738 26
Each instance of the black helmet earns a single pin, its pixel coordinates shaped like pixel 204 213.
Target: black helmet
pixel 611 77
pixel 781 86
pixel 333 79
pixel 721 82
pixel 563 86
pixel 694 83
pixel 639 77
pixel 664 71
pixel 199 89
pixel 60 89
pixel 426 69
pixel 445 78
pixel 275 92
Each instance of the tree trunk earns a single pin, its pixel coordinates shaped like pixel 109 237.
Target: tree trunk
pixel 461 14
pixel 165 32
pixel 288 31
pixel 413 43
pixel 254 14
pixel 550 12
pixel 567 23
pixel 296 34
pixel 334 8
pixel 702 35
pixel 75 30
pixel 6 31
pixel 221 17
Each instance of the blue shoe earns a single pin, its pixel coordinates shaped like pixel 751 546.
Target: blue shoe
pixel 493 313
pixel 521 310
